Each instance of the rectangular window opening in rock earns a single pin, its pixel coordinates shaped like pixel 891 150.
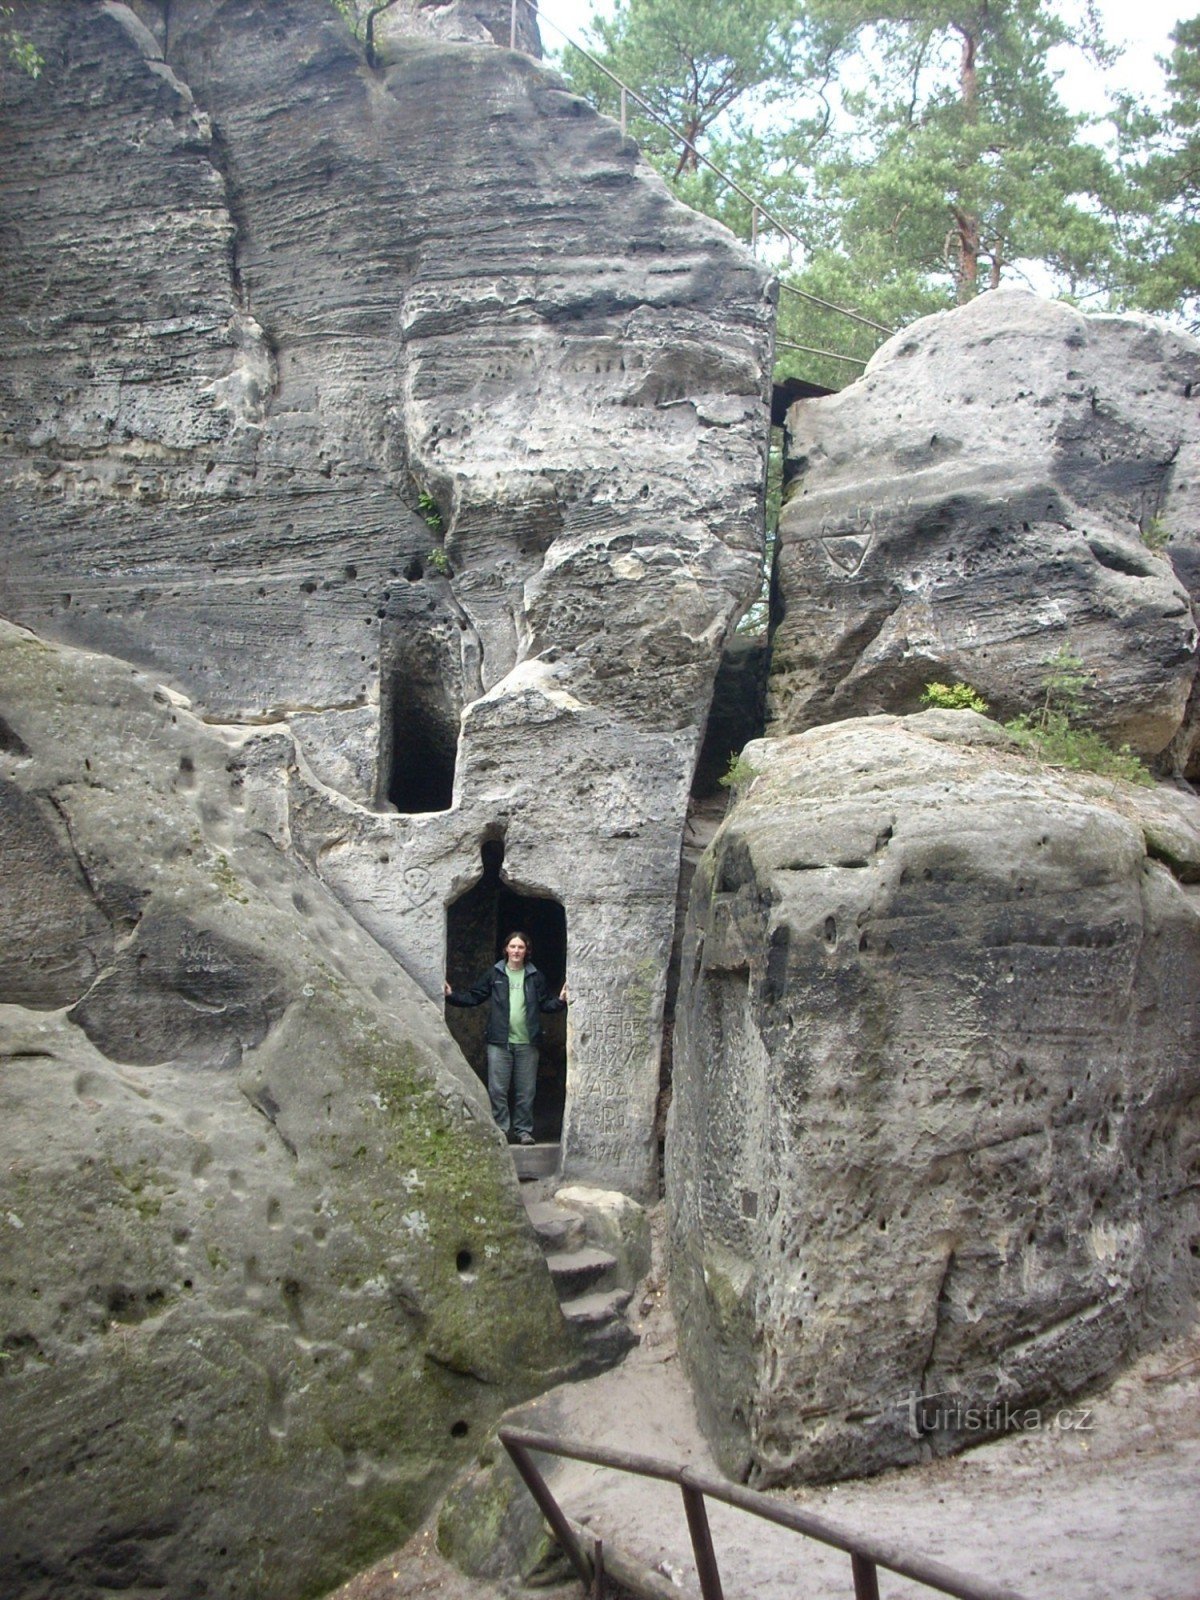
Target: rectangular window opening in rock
pixel 420 707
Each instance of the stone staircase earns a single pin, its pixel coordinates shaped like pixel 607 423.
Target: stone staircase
pixel 594 1285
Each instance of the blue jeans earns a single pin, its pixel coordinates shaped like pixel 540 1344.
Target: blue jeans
pixel 504 1063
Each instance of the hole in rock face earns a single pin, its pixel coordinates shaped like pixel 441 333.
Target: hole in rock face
pixel 419 716
pixel 477 923
pixel 464 1260
pixel 459 1429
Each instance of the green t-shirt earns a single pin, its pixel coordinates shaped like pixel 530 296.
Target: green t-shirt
pixel 518 1025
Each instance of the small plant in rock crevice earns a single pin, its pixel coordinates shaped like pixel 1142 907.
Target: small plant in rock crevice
pixel 1053 734
pixel 359 16
pixel 954 697
pixel 1156 534
pixel 19 48
pixel 428 507
pixel 738 772
pixel 438 561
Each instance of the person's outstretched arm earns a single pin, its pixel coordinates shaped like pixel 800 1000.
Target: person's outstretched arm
pixel 550 1002
pixel 474 996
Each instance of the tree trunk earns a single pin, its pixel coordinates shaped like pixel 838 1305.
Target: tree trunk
pixel 968 77
pixel 966 265
pixel 966 224
pixel 687 155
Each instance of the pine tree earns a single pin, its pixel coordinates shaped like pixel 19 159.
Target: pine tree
pixel 1158 206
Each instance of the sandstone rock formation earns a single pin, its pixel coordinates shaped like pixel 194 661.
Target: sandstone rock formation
pixel 400 426
pixel 457 21
pixel 267 1277
pixel 1007 480
pixel 932 1147
pixel 403 416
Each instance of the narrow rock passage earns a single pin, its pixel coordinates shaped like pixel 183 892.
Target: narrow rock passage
pixel 1101 1507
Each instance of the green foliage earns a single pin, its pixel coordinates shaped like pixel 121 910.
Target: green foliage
pixel 1056 740
pixel 916 152
pixel 958 159
pixel 738 772
pixel 1065 683
pixel 1156 194
pixel 18 47
pixel 701 67
pixel 1156 534
pixel 1054 735
pixel 954 697
pixel 428 507
pixel 438 561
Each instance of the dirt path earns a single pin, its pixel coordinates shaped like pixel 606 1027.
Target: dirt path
pixel 1106 1509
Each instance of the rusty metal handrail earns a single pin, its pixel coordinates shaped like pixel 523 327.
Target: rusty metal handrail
pixel 866 1554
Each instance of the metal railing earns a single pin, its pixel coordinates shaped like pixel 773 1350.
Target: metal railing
pixel 867 1555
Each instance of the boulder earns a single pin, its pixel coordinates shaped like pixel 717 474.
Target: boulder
pixel 267 1278
pixel 402 417
pixel 1008 480
pixel 931 1152
pixel 491 1527
pixel 614 1222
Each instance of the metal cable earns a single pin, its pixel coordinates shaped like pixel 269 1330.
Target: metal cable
pixel 811 350
pixel 758 209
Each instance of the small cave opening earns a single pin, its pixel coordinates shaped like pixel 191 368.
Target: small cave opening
pixel 418 722
pixel 477 925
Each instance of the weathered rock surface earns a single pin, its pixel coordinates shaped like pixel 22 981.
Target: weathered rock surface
pixel 933 1142
pixel 459 21
pixel 256 302
pixel 981 499
pixel 267 1276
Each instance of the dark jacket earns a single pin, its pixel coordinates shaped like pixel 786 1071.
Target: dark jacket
pixel 493 986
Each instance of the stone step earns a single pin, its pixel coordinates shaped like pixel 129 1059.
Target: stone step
pixel 556 1227
pixel 605 1338
pixel 575 1271
pixel 595 1310
pixel 535 1160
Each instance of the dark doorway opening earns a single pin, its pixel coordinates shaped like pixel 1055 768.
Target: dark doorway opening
pixel 477 924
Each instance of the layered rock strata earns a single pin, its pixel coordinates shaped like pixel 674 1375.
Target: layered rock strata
pixel 404 416
pixel 1008 481
pixel 267 1275
pixel 931 1159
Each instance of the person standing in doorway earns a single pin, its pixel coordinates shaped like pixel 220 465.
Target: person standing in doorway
pixel 518 996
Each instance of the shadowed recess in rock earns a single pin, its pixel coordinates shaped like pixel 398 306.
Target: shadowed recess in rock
pixel 476 925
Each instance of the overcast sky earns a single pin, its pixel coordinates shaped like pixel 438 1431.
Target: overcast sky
pixel 1142 26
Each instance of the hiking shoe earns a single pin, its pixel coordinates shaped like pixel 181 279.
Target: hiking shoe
pixel 526 1138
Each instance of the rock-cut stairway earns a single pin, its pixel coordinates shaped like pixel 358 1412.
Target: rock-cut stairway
pixel 587 1278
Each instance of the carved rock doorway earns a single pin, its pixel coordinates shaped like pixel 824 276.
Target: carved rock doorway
pixel 477 924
